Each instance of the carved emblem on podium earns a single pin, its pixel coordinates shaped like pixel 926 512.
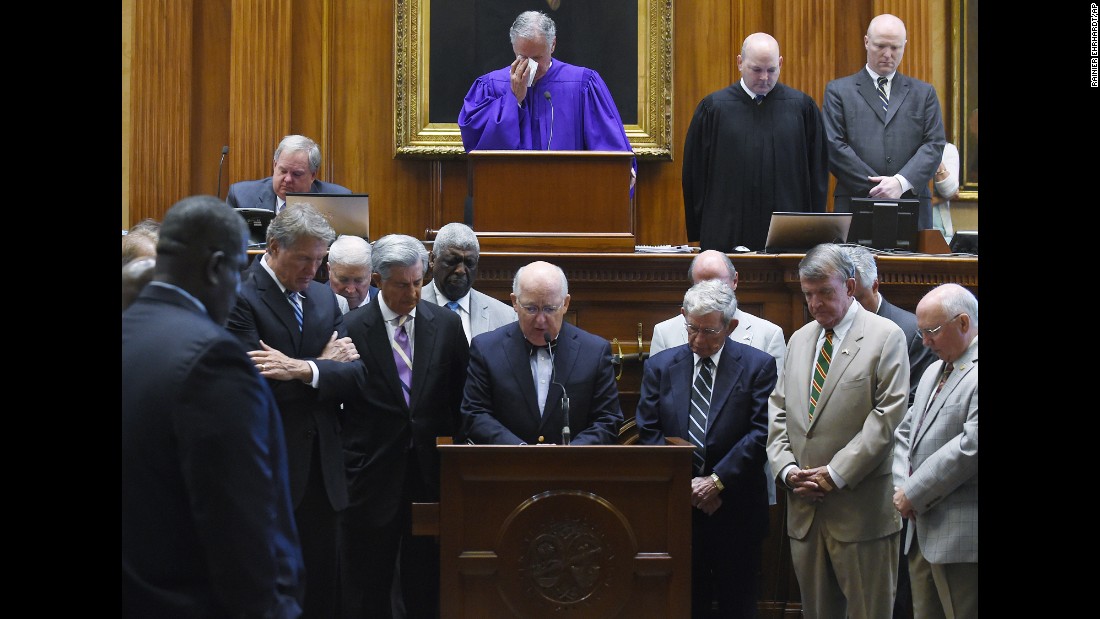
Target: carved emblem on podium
pixel 566 552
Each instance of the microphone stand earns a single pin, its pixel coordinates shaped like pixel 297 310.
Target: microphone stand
pixel 566 435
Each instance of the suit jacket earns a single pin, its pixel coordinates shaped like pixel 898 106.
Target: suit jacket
pixel 261 194
pixel 737 425
pixel 263 312
pixel 207 523
pixel 486 313
pixel 920 356
pixel 861 404
pixel 944 458
pixel 500 405
pixel 751 330
pixel 380 428
pixel 864 141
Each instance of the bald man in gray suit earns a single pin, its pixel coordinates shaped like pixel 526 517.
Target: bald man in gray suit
pixel 883 153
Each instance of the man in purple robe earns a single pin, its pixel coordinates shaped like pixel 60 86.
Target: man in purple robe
pixel 539 103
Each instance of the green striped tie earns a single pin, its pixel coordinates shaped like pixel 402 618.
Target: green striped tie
pixel 821 369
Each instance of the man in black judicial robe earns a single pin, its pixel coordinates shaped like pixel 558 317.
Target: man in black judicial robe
pixel 753 148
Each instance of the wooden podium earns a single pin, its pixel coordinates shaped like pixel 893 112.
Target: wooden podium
pixel 552 531
pixel 551 201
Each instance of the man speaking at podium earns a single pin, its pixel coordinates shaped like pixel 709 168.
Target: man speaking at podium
pixel 528 377
pixel 538 103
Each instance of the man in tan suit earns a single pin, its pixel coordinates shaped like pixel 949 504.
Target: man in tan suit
pixel 830 441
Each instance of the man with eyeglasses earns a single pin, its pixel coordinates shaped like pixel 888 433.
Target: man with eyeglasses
pixel 752 330
pixel 831 419
pixel 525 375
pixel 728 406
pixel 936 460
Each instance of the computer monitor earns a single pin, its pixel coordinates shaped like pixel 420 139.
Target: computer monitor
pixel 884 224
pixel 797 233
pixel 257 219
pixel 348 213
pixel 965 242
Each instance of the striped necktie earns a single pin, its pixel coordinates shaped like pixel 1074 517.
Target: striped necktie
pixel 292 296
pixel 821 369
pixel 402 356
pixel 700 408
pixel 885 98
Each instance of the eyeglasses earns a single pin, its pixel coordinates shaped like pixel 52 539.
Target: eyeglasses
pixel 694 330
pixel 533 310
pixel 932 333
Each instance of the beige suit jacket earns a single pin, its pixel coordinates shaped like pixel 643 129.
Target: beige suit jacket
pixel 863 400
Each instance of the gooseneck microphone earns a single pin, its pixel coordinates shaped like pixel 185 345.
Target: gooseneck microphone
pixel 225 151
pixel 566 435
pixel 547 95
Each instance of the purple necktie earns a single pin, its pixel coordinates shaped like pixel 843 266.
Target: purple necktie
pixel 402 356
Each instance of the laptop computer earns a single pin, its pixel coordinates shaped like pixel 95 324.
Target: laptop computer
pixel 797 233
pixel 257 220
pixel 348 213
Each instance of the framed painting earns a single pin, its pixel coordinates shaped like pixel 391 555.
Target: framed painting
pixel 964 123
pixel 442 46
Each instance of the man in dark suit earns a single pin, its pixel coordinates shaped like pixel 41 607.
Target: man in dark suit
pixel 349 272
pixel 391 429
pixel 830 443
pixel 730 519
pixel 868 295
pixel 884 141
pixel 513 396
pixel 295 165
pixel 302 361
pixel 207 528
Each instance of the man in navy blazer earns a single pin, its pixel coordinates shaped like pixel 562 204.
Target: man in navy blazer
pixel 207 527
pixel 730 497
pixel 522 373
pixel 879 153
pixel 392 460
pixel 302 362
pixel 295 165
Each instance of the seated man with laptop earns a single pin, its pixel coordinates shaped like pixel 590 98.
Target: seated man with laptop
pixel 294 169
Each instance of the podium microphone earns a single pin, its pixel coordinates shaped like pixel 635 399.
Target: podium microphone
pixel 547 95
pixel 566 435
pixel 225 151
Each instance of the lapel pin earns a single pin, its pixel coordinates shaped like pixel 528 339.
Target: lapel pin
pixel 844 352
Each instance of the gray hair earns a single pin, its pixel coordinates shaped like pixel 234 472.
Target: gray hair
pixel 295 143
pixel 350 250
pixel 958 300
pixel 825 261
pixel 864 262
pixel 298 221
pixel 398 250
pixel 561 274
pixel 456 236
pixel 532 25
pixel 711 295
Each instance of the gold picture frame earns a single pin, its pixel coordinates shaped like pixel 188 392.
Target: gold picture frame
pixel 964 125
pixel 418 136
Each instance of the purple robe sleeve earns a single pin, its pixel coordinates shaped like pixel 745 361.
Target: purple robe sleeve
pixel 491 119
pixel 603 127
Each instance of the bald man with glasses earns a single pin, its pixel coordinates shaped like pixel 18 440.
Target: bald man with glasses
pixel 528 377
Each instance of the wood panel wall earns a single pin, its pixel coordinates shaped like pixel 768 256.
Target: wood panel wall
pixel 244 73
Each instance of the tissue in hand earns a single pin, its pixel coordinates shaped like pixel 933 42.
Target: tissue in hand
pixel 532 68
